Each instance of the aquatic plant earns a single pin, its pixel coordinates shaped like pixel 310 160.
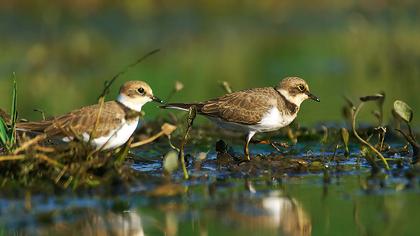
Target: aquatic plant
pixel 345 136
pixel 405 113
pixel 354 114
pixel 170 161
pixel 192 112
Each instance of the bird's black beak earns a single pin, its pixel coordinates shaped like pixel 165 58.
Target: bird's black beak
pixel 156 99
pixel 313 97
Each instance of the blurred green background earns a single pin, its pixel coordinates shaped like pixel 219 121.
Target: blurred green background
pixel 63 51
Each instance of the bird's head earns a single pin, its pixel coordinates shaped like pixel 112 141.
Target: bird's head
pixel 295 90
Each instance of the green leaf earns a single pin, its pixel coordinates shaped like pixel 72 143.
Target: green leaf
pixel 3 132
pixel 345 136
pixel 170 161
pixel 13 111
pixel 403 111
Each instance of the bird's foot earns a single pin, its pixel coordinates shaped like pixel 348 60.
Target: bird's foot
pixel 243 161
pixel 274 144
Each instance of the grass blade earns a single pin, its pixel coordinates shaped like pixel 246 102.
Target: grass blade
pixel 3 132
pixel 13 111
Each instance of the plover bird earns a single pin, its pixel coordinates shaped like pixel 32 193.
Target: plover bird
pixel 117 121
pixel 255 110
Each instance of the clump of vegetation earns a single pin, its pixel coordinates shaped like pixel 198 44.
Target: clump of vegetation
pixel 402 113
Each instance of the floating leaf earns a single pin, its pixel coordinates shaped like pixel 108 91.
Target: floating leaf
pixel 403 111
pixel 170 161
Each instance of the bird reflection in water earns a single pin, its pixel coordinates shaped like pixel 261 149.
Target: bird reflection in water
pixel 272 213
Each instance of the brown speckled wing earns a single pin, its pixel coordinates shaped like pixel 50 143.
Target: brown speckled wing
pixel 84 120
pixel 244 107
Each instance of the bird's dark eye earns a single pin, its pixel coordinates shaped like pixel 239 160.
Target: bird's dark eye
pixel 301 88
pixel 141 90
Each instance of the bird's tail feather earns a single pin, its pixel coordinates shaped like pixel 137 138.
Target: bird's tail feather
pixel 180 106
pixel 32 126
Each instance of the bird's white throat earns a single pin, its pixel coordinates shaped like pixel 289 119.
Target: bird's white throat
pixel 134 104
pixel 297 99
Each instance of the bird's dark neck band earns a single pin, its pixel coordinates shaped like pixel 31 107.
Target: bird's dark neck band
pixel 129 113
pixel 292 108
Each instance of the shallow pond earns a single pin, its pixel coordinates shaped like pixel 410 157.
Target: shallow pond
pixel 231 199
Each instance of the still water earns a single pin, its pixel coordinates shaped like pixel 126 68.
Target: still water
pixel 221 201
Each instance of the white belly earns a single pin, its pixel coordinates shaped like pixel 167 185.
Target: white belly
pixel 272 121
pixel 115 139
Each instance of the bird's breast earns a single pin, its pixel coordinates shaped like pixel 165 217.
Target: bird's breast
pixel 275 119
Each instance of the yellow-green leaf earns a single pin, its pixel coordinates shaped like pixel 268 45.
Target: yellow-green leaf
pixel 403 110
pixel 170 161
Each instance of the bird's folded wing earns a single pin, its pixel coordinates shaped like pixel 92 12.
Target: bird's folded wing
pixel 244 107
pixel 86 120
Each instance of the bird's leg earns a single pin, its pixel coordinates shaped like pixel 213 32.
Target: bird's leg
pixel 246 149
